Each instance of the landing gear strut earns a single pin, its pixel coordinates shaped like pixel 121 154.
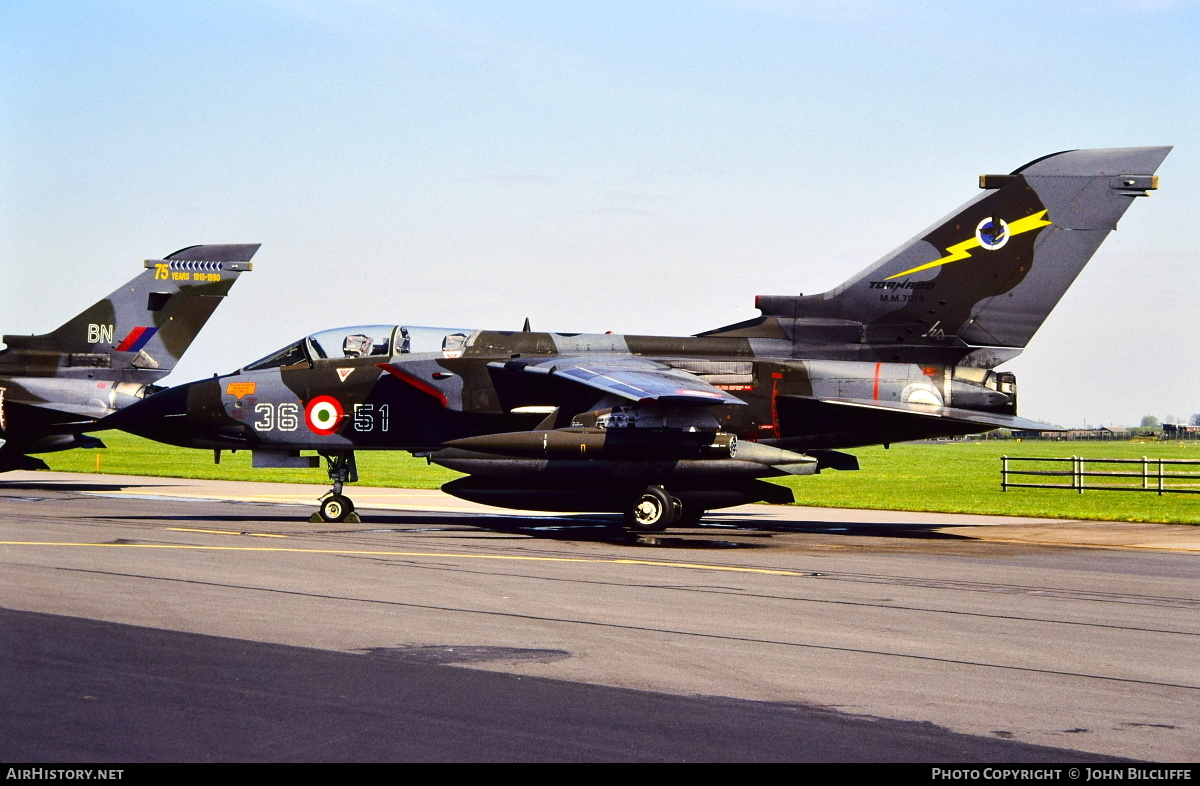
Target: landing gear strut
pixel 335 506
pixel 688 514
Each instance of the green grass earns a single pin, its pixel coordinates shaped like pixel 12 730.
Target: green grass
pixel 952 477
pixel 130 455
pixel 964 477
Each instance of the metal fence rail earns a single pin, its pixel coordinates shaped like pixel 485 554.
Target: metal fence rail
pixel 1164 476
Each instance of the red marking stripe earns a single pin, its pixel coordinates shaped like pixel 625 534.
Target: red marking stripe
pixel 131 339
pixel 775 405
pixel 419 384
pixel 878 366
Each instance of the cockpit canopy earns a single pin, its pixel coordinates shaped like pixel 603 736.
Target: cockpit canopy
pixel 353 342
pixel 381 341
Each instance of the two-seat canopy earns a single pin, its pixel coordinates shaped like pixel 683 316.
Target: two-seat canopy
pixel 382 341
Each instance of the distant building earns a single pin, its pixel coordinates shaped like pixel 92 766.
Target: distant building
pixel 1101 433
pixel 1180 431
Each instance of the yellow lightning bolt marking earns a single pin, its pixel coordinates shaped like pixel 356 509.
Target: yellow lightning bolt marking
pixel 963 250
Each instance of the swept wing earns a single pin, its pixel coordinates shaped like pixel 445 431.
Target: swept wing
pixel 636 379
pixel 928 411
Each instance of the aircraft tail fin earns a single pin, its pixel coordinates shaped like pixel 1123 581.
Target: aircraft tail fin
pixel 141 330
pixel 988 274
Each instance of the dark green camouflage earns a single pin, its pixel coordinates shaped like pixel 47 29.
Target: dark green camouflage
pixel 666 427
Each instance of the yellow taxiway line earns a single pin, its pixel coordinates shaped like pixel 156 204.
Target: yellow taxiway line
pixel 429 554
pixel 303 500
pixel 225 532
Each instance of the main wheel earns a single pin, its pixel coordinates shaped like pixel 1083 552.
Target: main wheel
pixel 650 511
pixel 335 507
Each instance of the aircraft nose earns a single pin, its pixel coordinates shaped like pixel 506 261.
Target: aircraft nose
pixel 175 416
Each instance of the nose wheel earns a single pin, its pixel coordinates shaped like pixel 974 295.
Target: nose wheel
pixel 336 506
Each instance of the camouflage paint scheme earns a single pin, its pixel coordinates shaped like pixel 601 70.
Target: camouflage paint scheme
pixel 107 357
pixel 905 350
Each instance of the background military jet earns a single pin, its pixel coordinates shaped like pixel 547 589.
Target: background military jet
pixel 52 386
pixel 665 428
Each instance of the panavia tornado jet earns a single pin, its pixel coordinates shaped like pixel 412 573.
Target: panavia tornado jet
pixel 664 428
pixel 54 386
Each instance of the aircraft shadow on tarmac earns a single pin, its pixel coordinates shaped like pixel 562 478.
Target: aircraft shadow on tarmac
pixel 704 536
pixel 866 529
pixel 565 528
pixel 571 527
pixel 69 487
pixel 589 528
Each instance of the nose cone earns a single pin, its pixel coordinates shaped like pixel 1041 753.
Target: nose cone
pixel 162 417
pixel 191 416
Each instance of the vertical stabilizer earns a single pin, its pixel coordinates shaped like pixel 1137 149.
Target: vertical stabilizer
pixel 141 330
pixel 989 273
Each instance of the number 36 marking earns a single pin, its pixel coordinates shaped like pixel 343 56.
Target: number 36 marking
pixel 284 417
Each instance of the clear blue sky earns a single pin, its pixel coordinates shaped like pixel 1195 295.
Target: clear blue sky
pixel 642 167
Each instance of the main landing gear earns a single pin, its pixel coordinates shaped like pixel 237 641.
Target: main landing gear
pixel 655 509
pixel 335 506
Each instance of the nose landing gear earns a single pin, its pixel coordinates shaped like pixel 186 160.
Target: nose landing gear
pixel 335 506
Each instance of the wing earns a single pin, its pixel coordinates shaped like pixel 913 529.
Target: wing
pixel 953 414
pixel 636 379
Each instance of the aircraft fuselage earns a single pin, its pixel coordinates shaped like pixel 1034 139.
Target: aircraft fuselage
pixel 420 401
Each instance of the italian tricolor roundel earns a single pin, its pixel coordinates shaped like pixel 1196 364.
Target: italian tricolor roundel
pixel 323 415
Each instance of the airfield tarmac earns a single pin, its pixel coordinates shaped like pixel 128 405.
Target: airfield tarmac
pixel 153 619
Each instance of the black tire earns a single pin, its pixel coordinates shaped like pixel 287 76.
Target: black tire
pixel 650 511
pixel 335 508
pixel 690 515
